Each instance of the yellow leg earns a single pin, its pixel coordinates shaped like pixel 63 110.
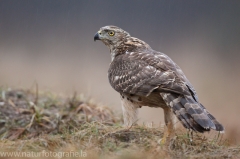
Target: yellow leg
pixel 169 129
pixel 168 134
pixel 165 135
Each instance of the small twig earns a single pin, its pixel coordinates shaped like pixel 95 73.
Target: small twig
pixel 221 138
pixel 11 103
pixel 36 95
pixel 132 124
pixel 190 135
pixel 3 95
pixel 31 122
pixel 191 139
pixel 89 140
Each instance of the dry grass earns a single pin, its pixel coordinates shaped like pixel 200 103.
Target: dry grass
pixel 36 122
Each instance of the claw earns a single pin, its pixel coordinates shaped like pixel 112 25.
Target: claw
pixel 167 135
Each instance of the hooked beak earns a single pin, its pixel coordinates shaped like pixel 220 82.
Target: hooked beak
pixel 96 37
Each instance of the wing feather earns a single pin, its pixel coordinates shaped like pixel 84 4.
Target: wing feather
pixel 142 73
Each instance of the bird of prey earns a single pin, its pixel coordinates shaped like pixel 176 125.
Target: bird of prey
pixel 145 77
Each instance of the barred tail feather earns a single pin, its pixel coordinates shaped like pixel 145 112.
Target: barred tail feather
pixel 192 114
pixel 219 127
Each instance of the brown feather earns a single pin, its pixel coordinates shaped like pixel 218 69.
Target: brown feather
pixel 146 77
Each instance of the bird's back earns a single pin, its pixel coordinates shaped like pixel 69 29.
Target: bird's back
pixel 151 78
pixel 145 77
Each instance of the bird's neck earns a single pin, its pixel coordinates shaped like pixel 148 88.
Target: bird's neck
pixel 129 44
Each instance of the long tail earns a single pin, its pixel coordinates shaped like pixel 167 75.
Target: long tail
pixel 192 114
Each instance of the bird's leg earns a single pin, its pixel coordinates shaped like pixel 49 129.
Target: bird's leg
pixel 169 129
pixel 130 112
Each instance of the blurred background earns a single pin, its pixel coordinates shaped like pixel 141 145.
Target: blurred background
pixel 51 42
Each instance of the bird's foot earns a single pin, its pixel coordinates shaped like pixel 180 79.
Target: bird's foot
pixel 167 136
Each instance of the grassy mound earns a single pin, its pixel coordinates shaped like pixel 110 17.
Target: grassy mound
pixel 33 124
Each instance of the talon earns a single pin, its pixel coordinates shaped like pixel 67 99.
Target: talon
pixel 163 141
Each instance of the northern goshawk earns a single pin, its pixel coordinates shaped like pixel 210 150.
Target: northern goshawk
pixel 145 77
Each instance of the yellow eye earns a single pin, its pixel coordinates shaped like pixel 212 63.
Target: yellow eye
pixel 111 33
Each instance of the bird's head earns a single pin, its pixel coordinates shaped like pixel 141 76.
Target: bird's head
pixel 111 36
